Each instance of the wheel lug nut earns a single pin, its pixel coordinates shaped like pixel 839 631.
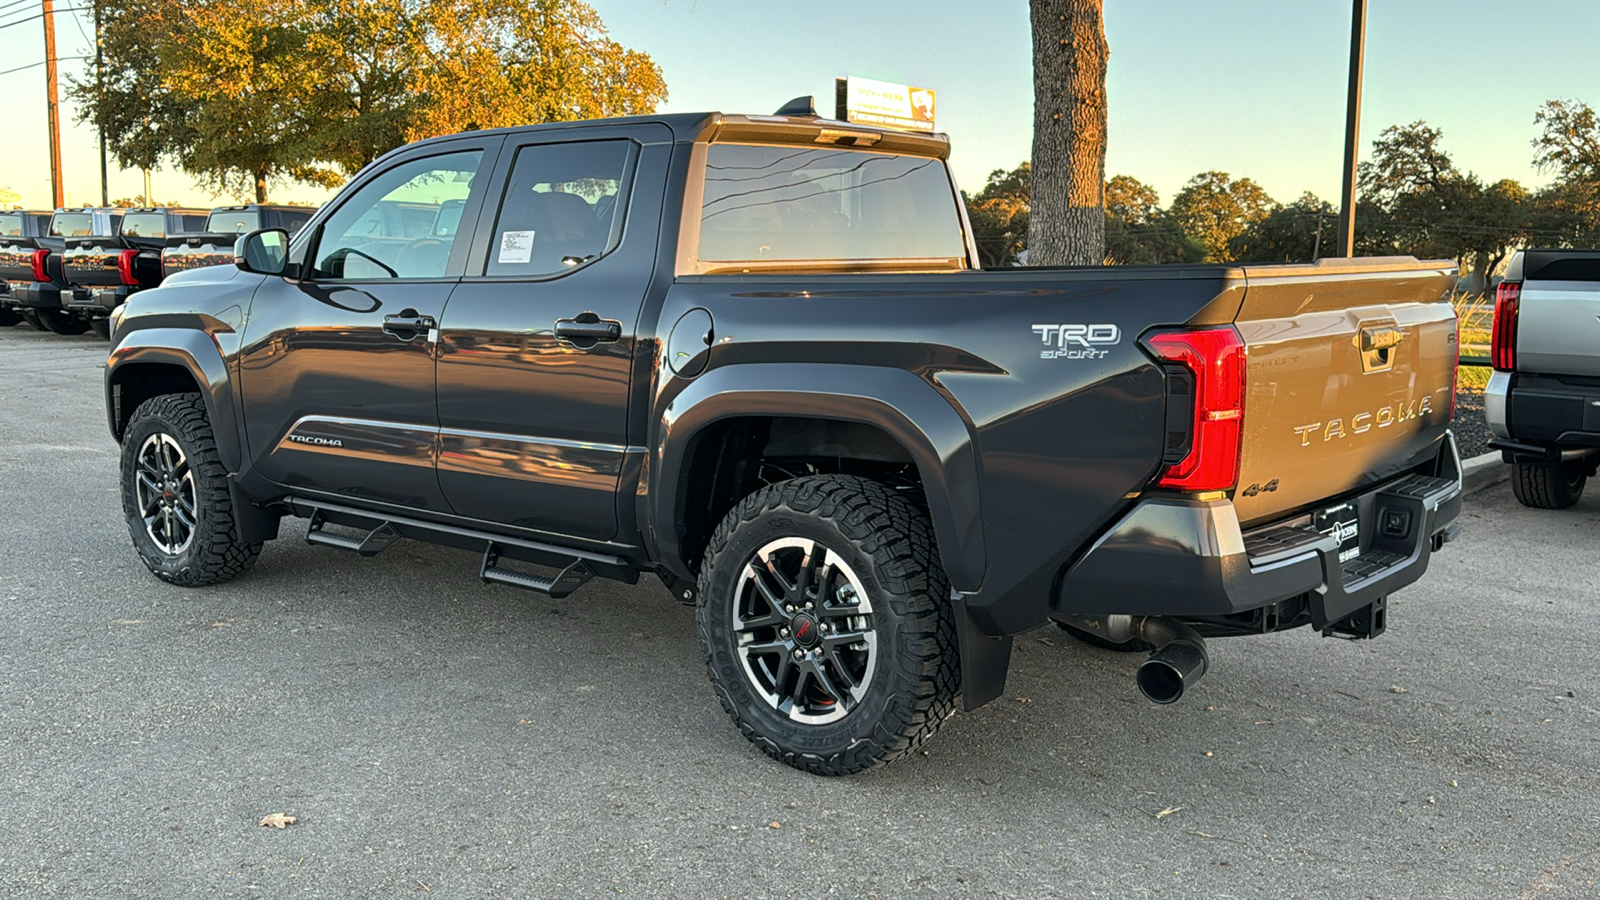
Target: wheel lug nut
pixel 799 653
pixel 808 606
pixel 783 632
pixel 817 652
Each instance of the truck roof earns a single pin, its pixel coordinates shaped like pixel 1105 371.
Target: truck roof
pixel 217 209
pixel 712 126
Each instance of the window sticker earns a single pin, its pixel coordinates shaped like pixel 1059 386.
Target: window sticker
pixel 515 247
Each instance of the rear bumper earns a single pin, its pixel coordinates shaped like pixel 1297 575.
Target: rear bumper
pixel 1190 558
pixel 1541 415
pixel 96 299
pixel 37 295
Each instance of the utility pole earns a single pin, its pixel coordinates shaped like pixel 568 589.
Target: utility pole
pixel 99 92
pixel 1352 128
pixel 53 104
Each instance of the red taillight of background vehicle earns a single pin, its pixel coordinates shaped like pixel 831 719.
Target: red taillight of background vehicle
pixel 1215 359
pixel 1503 336
pixel 125 267
pixel 39 272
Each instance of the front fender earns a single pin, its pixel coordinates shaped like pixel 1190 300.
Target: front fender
pixel 896 401
pixel 194 351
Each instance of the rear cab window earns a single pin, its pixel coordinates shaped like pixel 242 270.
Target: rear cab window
pixel 146 225
pixel 233 221
pixel 72 225
pixel 10 224
pixel 781 207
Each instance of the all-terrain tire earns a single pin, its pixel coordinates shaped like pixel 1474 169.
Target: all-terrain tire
pixel 214 552
pixel 58 322
pixel 1094 640
pixel 32 318
pixel 887 544
pixel 101 327
pixel 1556 486
pixel 9 317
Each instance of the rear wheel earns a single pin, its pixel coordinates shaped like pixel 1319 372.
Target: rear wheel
pixel 56 321
pixel 32 318
pixel 101 327
pixel 826 624
pixel 9 317
pixel 1551 486
pixel 175 495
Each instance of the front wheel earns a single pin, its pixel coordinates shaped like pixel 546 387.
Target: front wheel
pixel 1555 486
pixel 826 623
pixel 175 495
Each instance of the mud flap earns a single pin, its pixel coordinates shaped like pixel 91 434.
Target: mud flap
pixel 984 658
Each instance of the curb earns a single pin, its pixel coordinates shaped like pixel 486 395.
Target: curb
pixel 1482 472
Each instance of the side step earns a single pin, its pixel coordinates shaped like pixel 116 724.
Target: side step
pixel 569 579
pixel 371 544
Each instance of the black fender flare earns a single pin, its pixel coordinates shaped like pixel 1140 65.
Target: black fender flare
pixel 197 353
pixel 907 408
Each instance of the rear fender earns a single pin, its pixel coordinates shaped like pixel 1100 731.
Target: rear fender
pixel 905 407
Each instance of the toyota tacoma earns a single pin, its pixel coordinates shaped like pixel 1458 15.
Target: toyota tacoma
pixel 754 356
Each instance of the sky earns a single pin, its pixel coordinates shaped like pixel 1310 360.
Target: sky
pixel 1250 87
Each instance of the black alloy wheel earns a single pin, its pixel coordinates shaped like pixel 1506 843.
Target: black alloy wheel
pixel 58 322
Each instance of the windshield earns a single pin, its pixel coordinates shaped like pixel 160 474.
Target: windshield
pixel 233 221
pixel 148 225
pixel 767 202
pixel 71 225
pixel 10 224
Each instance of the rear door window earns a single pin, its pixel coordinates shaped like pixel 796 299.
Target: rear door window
pixel 562 207
pixel 804 204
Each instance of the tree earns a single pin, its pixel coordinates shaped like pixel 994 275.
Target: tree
pixel 244 95
pixel 1214 208
pixel 1569 209
pixel 999 215
pixel 1301 231
pixel 1069 133
pixel 1139 231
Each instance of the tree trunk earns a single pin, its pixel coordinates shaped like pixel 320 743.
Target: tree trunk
pixel 261 186
pixel 1068 222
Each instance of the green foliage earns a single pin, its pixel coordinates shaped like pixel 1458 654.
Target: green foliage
pixel 1214 209
pixel 1298 232
pixel 999 215
pixel 1139 231
pixel 243 94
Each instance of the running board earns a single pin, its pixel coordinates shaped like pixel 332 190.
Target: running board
pixel 569 579
pixel 370 544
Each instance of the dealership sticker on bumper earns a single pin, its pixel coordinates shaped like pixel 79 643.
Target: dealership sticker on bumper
pixel 1344 524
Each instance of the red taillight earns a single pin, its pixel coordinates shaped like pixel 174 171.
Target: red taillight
pixel 39 271
pixel 125 266
pixel 1215 357
pixel 1503 337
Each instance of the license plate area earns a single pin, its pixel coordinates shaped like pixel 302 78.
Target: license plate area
pixel 1343 524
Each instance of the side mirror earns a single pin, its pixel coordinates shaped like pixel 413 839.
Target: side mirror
pixel 264 252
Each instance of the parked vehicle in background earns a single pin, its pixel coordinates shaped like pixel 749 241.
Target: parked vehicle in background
pixel 20 230
pixel 34 269
pixel 752 356
pixel 211 244
pixel 1543 400
pixel 103 270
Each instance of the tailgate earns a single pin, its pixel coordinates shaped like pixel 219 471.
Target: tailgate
pixel 1350 376
pixel 16 261
pixel 1557 328
pixel 91 261
pixel 193 251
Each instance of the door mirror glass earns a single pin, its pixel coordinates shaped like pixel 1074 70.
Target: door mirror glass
pixel 264 252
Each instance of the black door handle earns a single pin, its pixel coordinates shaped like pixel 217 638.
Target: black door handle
pixel 587 330
pixel 408 324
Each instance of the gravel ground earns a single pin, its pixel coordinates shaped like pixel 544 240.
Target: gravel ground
pixel 1472 431
pixel 438 737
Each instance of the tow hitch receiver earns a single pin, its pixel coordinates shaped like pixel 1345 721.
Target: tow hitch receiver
pixel 1366 622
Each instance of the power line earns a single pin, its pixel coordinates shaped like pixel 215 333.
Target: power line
pixel 38 64
pixel 41 15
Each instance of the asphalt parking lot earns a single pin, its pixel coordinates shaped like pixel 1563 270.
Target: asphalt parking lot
pixel 437 736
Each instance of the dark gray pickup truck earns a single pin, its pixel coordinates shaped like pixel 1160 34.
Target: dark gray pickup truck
pixel 751 355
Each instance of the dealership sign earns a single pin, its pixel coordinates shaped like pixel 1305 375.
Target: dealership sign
pixel 868 102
